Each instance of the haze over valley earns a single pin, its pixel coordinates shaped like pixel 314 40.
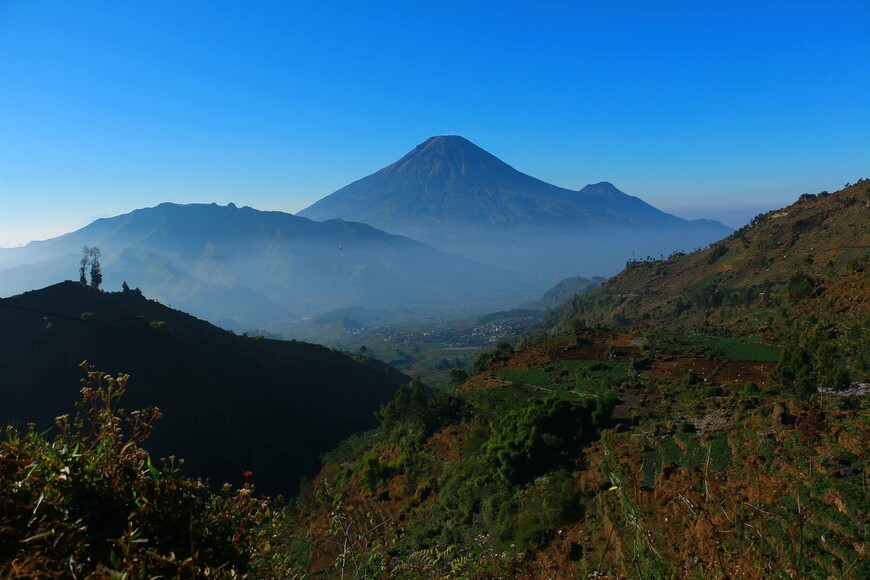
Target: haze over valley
pixel 244 266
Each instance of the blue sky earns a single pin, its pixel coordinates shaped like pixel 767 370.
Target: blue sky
pixel 716 109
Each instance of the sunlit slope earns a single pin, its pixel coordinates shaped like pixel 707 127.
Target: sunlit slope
pixel 809 260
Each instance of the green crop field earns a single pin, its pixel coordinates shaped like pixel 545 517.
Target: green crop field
pixel 709 346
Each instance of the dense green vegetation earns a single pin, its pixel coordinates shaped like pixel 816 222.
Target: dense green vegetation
pixel 517 473
pixel 805 262
pixel 505 486
pixel 583 377
pixel 712 347
pixel 821 356
pixel 541 436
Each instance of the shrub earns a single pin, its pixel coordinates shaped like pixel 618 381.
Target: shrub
pixel 503 351
pixel 419 413
pixel 801 285
pixel 795 370
pixel 547 503
pixel 458 376
pixel 751 388
pixel 717 252
pixel 91 502
pixel 376 472
pixel 543 435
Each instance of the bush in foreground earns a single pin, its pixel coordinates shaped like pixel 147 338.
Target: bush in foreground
pixel 90 502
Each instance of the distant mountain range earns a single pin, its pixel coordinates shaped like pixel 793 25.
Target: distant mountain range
pixel 244 267
pixel 230 403
pixel 452 194
pixel 492 238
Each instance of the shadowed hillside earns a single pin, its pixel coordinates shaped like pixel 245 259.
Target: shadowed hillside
pixel 230 403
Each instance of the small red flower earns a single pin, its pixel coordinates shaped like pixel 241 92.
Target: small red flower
pixel 247 473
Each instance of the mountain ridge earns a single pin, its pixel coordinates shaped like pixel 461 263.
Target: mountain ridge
pixel 219 262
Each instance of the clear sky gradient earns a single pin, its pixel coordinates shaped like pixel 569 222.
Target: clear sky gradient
pixel 715 109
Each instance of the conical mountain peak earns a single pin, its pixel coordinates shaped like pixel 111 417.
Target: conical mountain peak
pixel 447 179
pixel 449 140
pixel 441 143
pixel 448 156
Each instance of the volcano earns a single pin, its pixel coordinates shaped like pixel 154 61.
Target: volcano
pixel 450 193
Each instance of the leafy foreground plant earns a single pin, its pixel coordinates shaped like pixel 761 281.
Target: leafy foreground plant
pixel 89 502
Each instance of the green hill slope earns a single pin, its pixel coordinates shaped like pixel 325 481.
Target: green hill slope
pixel 705 466
pixel 810 260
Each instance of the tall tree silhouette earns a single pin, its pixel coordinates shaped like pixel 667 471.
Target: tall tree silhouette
pixel 91 255
pixel 84 265
pixel 96 272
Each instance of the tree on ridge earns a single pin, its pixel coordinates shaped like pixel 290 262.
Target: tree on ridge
pixel 91 255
